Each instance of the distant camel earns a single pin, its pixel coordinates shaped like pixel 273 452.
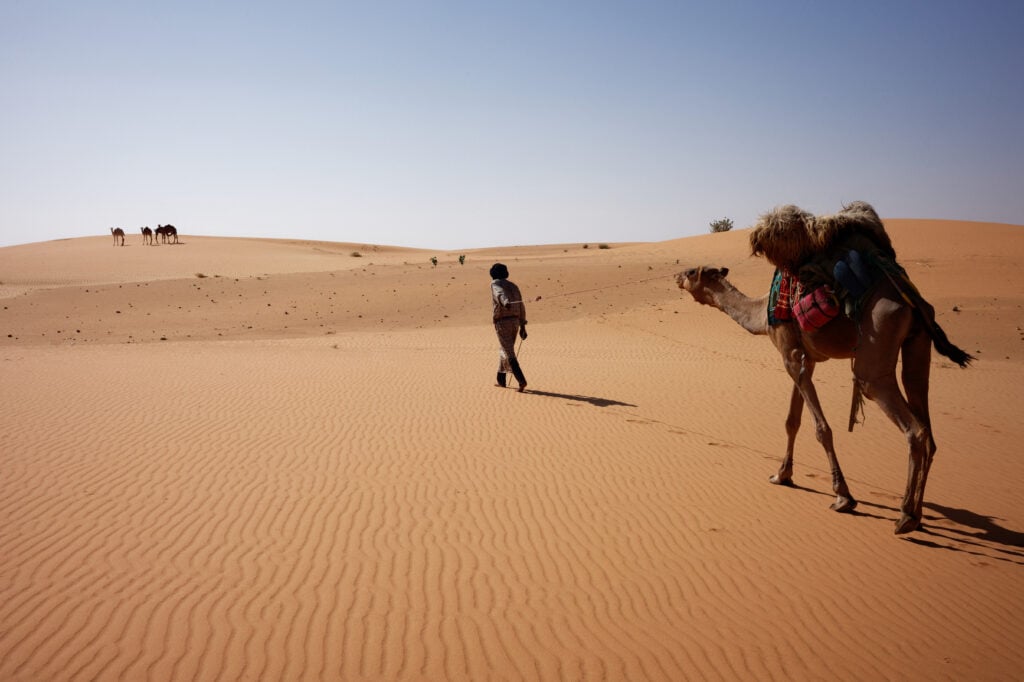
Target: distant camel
pixel 118 234
pixel 168 232
pixel 894 320
pixel 147 236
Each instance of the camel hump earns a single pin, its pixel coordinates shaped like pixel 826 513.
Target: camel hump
pixel 788 237
pixel 857 222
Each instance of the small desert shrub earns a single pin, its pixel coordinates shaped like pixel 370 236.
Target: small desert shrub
pixel 721 225
pixel 586 246
pixel 356 254
pixel 603 246
pixel 462 259
pixel 433 261
pixel 200 275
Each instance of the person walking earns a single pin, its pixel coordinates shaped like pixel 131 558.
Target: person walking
pixel 509 320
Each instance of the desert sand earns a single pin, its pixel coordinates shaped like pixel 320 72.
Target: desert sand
pixel 241 459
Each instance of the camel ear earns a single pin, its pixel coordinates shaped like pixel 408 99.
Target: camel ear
pixel 725 272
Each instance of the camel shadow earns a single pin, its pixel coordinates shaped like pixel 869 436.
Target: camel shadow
pixel 597 402
pixel 991 540
pixel 965 543
pixel 987 529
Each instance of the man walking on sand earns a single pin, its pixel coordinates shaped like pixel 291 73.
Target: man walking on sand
pixel 509 319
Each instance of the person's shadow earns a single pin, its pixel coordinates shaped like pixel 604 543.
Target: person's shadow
pixel 597 402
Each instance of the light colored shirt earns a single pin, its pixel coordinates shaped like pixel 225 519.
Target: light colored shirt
pixel 507 301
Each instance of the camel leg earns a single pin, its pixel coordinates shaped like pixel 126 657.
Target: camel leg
pixel 796 407
pixel 917 363
pixel 801 369
pixel 886 393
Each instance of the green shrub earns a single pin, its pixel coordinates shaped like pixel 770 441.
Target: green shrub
pixel 721 225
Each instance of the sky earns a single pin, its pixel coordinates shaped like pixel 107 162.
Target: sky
pixel 447 125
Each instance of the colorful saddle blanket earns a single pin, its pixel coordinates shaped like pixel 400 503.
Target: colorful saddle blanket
pixel 829 284
pixel 780 300
pixel 816 309
pixel 812 310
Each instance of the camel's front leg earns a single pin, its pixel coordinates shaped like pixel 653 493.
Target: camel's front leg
pixel 796 407
pixel 801 369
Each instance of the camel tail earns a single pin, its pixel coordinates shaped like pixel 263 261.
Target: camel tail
pixel 947 347
pixel 926 313
pixel 856 405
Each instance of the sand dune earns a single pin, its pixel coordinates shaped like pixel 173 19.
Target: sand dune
pixel 296 467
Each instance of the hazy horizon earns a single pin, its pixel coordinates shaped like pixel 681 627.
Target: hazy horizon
pixel 451 126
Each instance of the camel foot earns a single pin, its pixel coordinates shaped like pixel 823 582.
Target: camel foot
pixel 907 524
pixel 843 505
pixel 780 479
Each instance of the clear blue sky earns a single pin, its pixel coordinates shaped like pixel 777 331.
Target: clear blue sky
pixel 466 124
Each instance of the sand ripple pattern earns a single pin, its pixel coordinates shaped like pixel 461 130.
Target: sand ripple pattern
pixel 368 507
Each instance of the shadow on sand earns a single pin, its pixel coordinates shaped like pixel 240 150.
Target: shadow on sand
pixel 597 402
pixel 977 535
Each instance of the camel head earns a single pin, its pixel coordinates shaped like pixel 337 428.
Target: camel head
pixel 696 280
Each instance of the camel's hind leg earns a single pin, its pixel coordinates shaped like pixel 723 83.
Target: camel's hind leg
pixel 917 358
pixel 801 369
pixel 886 393
pixel 796 407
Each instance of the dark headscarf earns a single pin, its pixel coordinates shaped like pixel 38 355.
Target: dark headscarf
pixel 499 271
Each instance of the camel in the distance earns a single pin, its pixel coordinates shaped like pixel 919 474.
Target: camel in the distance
pixel 118 234
pixel 167 233
pixel 888 326
pixel 147 236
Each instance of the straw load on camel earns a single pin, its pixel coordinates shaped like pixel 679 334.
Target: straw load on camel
pixel 790 237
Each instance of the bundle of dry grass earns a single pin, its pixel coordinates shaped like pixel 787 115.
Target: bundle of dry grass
pixel 788 236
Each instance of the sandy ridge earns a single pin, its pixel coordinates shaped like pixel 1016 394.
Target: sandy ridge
pixel 303 505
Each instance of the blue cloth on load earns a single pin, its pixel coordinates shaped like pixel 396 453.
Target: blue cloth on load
pixel 852 274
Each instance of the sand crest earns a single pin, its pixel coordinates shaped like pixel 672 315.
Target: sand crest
pixel 260 459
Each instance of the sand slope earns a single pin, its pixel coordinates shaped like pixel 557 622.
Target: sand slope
pixel 296 467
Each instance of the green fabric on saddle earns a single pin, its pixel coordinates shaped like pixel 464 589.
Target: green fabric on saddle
pixel 780 297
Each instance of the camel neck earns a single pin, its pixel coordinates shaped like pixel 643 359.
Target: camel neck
pixel 749 313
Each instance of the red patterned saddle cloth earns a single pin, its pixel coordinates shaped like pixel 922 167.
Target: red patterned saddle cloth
pixel 812 310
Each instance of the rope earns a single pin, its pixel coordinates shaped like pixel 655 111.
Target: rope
pixel 519 349
pixel 609 286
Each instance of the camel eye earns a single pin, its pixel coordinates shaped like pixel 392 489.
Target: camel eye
pixel 691 272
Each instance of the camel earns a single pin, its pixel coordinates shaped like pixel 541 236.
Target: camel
pixel 888 326
pixel 118 234
pixel 167 232
pixel 147 235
